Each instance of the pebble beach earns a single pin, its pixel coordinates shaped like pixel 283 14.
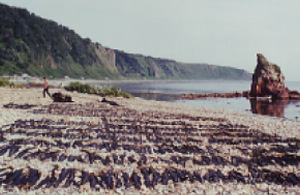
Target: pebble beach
pixel 137 146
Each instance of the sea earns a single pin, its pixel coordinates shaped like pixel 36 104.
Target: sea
pixel 171 90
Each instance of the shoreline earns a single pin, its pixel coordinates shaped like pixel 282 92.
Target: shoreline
pixel 141 103
pixel 111 81
pixel 167 133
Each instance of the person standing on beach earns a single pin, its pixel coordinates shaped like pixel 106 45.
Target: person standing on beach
pixel 46 87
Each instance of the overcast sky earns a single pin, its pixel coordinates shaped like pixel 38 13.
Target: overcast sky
pixel 220 32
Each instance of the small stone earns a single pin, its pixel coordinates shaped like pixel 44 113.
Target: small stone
pixel 189 164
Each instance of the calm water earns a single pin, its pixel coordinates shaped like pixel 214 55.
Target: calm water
pixel 169 91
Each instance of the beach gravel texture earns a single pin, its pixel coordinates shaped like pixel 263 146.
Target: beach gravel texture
pixel 136 146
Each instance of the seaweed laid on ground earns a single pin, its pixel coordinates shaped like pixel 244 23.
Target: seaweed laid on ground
pixel 130 149
pixel 19 106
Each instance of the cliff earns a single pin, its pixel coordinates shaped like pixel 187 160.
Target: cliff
pixel 40 47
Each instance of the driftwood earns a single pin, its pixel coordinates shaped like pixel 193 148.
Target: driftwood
pixel 112 103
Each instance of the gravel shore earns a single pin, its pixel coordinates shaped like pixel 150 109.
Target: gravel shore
pixel 134 146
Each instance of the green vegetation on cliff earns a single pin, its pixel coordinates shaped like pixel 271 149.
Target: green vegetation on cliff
pixel 39 47
pixel 30 44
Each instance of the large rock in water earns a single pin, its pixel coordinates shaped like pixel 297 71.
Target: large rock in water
pixel 268 80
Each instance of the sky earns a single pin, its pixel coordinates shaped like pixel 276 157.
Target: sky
pixel 219 32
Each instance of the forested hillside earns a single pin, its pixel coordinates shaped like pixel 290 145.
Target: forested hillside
pixel 40 47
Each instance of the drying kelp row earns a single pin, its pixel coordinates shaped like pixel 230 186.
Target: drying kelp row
pixel 127 148
pixel 160 133
pixel 31 178
pixel 19 106
pixel 113 112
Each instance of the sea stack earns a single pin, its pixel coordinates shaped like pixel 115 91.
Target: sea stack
pixel 268 80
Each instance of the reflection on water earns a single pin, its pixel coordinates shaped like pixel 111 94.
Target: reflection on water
pixel 276 109
pixel 156 96
pixel 268 108
pixel 282 109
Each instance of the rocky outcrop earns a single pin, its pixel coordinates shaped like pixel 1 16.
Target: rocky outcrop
pixel 193 96
pixel 268 80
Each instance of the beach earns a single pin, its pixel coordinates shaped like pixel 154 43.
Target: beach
pixel 136 146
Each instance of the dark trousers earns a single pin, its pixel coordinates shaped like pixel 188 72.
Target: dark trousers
pixel 46 90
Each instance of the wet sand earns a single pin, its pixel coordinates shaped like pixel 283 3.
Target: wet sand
pixel 141 147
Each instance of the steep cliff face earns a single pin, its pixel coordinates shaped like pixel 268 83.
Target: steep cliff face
pixel 138 66
pixel 107 57
pixel 40 47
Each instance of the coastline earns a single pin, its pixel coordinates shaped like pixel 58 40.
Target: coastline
pixel 151 115
pixel 108 81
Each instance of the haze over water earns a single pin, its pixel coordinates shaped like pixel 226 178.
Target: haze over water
pixel 170 90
